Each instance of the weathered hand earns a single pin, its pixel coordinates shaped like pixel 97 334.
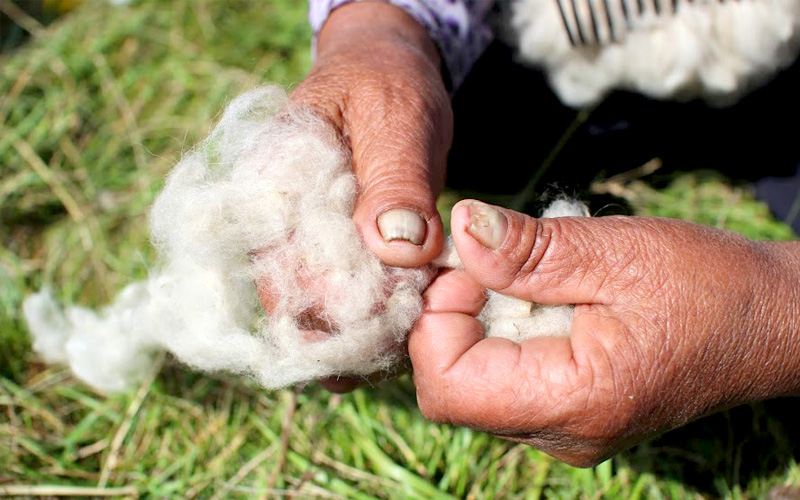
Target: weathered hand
pixel 673 321
pixel 377 80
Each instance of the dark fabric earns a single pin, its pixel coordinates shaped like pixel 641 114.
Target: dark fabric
pixel 508 121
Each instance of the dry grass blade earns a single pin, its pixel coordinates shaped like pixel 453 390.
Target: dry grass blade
pixel 352 472
pixel 246 469
pixel 21 18
pixel 109 84
pixel 22 490
pixel 36 164
pixel 125 426
pixel 624 185
pixel 286 430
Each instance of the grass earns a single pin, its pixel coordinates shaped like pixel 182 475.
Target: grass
pixel 95 110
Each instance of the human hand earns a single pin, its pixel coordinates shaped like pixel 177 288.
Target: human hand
pixel 673 321
pixel 377 80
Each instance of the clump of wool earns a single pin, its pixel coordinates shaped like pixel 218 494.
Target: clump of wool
pixel 702 48
pixel 263 205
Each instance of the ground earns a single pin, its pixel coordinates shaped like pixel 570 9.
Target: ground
pixel 95 108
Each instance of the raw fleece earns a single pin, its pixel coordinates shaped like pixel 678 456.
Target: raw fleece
pixel 713 49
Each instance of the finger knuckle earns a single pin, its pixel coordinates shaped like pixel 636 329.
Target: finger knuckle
pixel 431 408
pixel 532 255
pixel 586 458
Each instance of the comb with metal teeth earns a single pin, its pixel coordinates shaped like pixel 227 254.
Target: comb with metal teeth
pixel 600 22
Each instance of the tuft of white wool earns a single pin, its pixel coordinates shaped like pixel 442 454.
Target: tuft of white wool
pixel 565 207
pixel 264 203
pixel 107 350
pixel 713 49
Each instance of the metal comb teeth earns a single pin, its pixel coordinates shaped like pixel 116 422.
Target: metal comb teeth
pixel 599 22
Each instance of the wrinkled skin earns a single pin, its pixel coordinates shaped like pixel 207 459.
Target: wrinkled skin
pixel 674 321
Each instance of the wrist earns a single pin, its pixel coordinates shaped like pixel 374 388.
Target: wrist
pixel 373 27
pixel 777 318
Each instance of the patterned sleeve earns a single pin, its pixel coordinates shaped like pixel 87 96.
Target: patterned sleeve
pixel 457 27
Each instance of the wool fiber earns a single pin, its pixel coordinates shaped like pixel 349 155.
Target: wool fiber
pixel 713 49
pixel 263 206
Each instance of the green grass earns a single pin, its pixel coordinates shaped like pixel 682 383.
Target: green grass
pixel 94 111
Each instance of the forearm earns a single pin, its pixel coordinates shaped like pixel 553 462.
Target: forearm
pixel 776 312
pixel 370 26
pixel 458 28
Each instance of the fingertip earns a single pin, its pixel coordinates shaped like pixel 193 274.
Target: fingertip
pixel 402 236
pixel 459 216
pixel 486 224
pixel 479 233
pixel 455 291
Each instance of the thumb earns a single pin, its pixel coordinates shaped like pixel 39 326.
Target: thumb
pixel 565 260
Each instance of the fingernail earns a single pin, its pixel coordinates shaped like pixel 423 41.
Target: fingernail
pixel 487 225
pixel 402 224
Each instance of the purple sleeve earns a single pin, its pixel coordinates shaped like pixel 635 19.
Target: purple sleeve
pixel 457 27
